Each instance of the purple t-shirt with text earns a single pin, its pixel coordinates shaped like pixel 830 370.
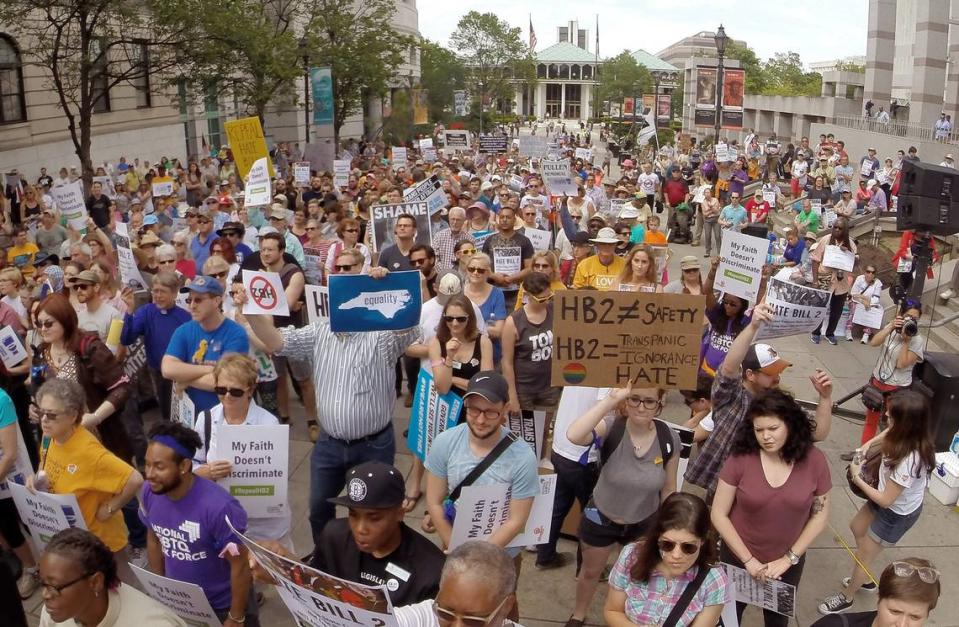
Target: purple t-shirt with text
pixel 716 341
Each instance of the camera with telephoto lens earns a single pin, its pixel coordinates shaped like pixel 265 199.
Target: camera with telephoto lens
pixel 910 327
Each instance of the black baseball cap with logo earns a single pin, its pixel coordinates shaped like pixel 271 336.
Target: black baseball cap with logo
pixel 490 385
pixel 372 485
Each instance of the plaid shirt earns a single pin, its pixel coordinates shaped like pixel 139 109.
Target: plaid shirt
pixel 650 602
pixel 444 243
pixel 730 402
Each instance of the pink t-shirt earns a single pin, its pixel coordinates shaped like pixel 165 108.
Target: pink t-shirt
pixel 770 519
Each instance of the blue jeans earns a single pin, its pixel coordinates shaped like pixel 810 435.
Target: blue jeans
pixel 329 463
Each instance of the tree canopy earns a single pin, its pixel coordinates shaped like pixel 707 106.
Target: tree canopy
pixel 781 75
pixel 622 77
pixel 492 52
pixel 441 74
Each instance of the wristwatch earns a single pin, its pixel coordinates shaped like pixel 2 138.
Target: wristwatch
pixel 792 557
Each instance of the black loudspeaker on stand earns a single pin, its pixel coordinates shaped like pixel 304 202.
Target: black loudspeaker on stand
pixel 938 377
pixel 928 198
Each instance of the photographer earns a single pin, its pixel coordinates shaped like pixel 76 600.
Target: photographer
pixel 901 350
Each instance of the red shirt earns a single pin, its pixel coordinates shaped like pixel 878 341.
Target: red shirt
pixel 675 191
pixel 757 211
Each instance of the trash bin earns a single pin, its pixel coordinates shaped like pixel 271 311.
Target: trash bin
pixel 938 377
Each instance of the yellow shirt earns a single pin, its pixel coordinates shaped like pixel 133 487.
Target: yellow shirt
pixel 82 466
pixel 22 257
pixel 521 294
pixel 592 273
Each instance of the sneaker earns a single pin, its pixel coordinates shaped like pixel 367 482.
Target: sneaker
pixel 868 586
pixel 138 556
pixel 950 293
pixel 865 339
pixel 28 583
pixel 558 561
pixel 815 338
pixel 831 339
pixel 849 337
pixel 835 604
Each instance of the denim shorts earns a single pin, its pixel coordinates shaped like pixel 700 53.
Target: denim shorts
pixel 888 527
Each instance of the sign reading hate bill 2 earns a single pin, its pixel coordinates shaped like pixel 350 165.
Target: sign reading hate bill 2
pixel 606 339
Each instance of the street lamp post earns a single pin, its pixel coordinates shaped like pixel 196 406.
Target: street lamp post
pixel 304 52
pixel 481 107
pixel 721 40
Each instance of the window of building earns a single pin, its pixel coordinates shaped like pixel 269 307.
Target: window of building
pixel 574 72
pixel 564 71
pixel 100 77
pixel 541 70
pixel 553 70
pixel 140 66
pixel 581 38
pixel 587 72
pixel 564 33
pixel 12 104
pixel 181 95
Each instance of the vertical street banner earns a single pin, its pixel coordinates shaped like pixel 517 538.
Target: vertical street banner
pixel 421 109
pixel 359 303
pixel 602 339
pixel 259 478
pixel 629 108
pixel 664 108
pixel 70 202
pixel 247 143
pixel 321 86
pixel 460 106
pixel 186 600
pixel 316 598
pixel 734 89
pixel 129 273
pixel 797 309
pixel 45 514
pixel 740 270
pixel 432 413
pixel 649 102
pixel 483 509
pixel 705 96
pixel 384 222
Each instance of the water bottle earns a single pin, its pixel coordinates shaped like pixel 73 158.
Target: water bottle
pixel 954 447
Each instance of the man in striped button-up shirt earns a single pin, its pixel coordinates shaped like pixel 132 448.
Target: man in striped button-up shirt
pixel 354 377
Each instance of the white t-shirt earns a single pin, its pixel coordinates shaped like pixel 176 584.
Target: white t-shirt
pixel 574 402
pixel 886 370
pixel 430 314
pixel 707 423
pixel 904 474
pixel 422 615
pixel 647 183
pixel 16 303
pixel 98 321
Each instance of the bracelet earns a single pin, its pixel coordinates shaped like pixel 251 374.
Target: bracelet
pixel 229 615
pixel 751 558
pixel 437 362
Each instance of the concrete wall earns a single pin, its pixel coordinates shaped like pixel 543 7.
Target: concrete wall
pixel 886 145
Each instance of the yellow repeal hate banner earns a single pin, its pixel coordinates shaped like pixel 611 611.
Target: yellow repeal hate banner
pixel 248 144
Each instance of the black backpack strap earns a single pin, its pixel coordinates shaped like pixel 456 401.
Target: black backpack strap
pixel 612 440
pixel 665 436
pixel 688 593
pixel 481 467
pixel 207 430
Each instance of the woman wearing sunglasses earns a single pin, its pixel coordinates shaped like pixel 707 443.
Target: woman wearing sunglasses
pixel 348 234
pixel 637 475
pixel 679 547
pixel 487 297
pixel 908 455
pixel 234 380
pixel 458 350
pixel 772 500
pixel 543 262
pixel 80 586
pixel 462 254
pixel 908 590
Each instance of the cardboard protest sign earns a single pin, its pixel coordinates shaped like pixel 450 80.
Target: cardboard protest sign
pixel 129 272
pixel 247 143
pixel 532 146
pixel 162 187
pixel 557 178
pixel 770 197
pixel 186 600
pixel 316 598
pixel 869 317
pixel 317 303
pixel 429 191
pixel 400 157
pixel 70 202
pixel 266 294
pixel 493 143
pixel 432 413
pixel 483 509
pixel 257 191
pixel 384 221
pixel 45 514
pixel 529 426
pixel 771 594
pixel 259 477
pixel 605 339
pixel 539 238
pixel 12 350
pixel 838 259
pixel 359 302
pixel 21 468
pixel 797 309
pixel 740 270
pixel 457 140
pixel 301 174
pixel 341 172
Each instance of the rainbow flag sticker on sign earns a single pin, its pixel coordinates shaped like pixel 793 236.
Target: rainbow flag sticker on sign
pixel 574 373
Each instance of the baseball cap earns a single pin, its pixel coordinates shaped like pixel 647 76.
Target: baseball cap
pixel 690 262
pixel 265 230
pixel 86 276
pixel 490 385
pixel 277 211
pixel 372 485
pixel 763 358
pixel 485 186
pixel 202 284
pixel 150 219
pixel 448 286
pixel 810 235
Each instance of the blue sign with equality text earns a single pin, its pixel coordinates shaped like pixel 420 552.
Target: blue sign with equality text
pixel 361 303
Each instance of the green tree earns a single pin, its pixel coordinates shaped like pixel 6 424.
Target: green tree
pixel 849 66
pixel 491 51
pixel 622 77
pixel 785 76
pixel 84 49
pixel 398 128
pixel 441 74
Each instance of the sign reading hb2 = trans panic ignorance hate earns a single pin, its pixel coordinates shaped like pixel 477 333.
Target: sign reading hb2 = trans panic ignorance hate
pixel 359 302
pixel 384 223
pixel 605 339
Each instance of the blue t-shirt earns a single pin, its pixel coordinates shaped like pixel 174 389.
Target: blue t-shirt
pixel 8 413
pixel 156 326
pixel 192 345
pixel 193 532
pixel 493 310
pixel 736 215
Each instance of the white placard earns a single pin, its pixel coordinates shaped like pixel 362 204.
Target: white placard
pixel 259 477
pixel 70 202
pixel 162 188
pixel 904 265
pixel 45 514
pixel 870 317
pixel 557 177
pixel 400 157
pixel 740 270
pixel 265 293
pixel 481 510
pixel 317 303
pixel 838 259
pixel 183 409
pixel 507 260
pixel 796 309
pixel 426 142
pixel 258 192
pixel 585 154
pixel 722 153
pixel 770 197
pixel 301 173
pixel 186 600
pixel 21 468
pixel 539 238
pixel 777 596
pixel 456 140
pixel 829 218
pixel 341 172
pixel 12 350
pixel 429 155
pixel 129 272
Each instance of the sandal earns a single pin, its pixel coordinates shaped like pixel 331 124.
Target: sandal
pixel 410 501
pixel 427 524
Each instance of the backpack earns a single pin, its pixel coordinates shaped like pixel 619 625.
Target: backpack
pixel 618 429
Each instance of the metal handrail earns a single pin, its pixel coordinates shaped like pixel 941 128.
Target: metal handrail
pixel 920 132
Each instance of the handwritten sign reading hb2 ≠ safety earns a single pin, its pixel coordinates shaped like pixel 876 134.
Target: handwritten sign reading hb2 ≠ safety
pixel 605 339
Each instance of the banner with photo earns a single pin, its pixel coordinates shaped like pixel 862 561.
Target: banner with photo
pixel 797 309
pixel 629 108
pixel 706 78
pixel 664 108
pixel 421 109
pixel 384 221
pixel 321 86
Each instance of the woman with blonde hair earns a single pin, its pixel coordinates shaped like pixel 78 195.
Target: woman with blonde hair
pixel 639 272
pixel 544 262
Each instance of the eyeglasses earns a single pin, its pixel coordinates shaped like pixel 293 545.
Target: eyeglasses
pixel 220 275
pixel 343 267
pixel 468 251
pixel 492 414
pixel 447 617
pixel 648 404
pixel 351 230
pixel 56 591
pixel 734 197
pixel 418 262
pixel 46 324
pixel 234 392
pixel 475 270
pixel 460 319
pixel 49 415
pixel 542 299
pixel 926 573
pixel 80 287
pixel 667 546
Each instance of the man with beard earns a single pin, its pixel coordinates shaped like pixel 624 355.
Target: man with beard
pixel 512 255
pixel 189 538
pixel 97 315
